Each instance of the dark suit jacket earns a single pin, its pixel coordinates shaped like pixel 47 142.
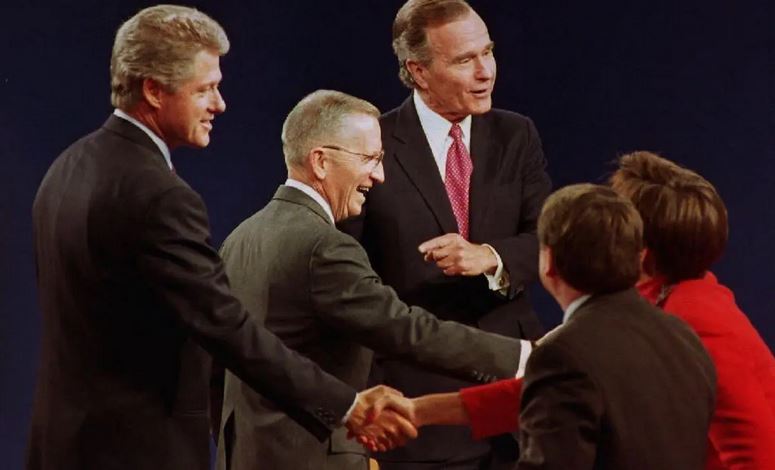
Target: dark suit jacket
pixel 320 295
pixel 619 385
pixel 130 289
pixel 508 188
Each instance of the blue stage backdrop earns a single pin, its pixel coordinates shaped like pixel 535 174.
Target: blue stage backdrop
pixel 690 79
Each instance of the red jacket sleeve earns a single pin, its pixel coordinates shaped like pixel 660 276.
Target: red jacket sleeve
pixel 493 408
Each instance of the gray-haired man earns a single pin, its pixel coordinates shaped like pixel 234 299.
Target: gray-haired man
pixel 131 290
pixel 322 297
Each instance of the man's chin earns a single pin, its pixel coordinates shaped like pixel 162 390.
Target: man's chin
pixel 353 212
pixel 482 106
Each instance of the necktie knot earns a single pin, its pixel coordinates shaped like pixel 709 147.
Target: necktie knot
pixel 456 132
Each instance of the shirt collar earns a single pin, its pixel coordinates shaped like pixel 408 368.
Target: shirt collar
pixel 573 306
pixel 436 127
pixel 155 138
pixel 316 196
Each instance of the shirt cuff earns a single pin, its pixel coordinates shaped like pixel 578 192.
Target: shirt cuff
pixel 346 417
pixel 524 353
pixel 500 280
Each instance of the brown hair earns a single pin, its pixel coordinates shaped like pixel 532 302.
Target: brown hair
pixel 685 220
pixel 409 39
pixel 596 238
pixel 160 42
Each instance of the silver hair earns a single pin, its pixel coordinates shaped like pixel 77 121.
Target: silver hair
pixel 160 43
pixel 409 39
pixel 318 118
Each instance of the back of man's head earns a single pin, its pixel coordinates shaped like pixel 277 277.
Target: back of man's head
pixel 160 43
pixel 595 237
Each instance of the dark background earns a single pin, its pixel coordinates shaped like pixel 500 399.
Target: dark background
pixel 693 80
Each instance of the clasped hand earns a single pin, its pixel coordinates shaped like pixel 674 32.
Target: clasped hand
pixel 382 419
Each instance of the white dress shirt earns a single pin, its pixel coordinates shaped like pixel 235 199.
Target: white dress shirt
pixel 436 130
pixel 155 138
pixel 316 196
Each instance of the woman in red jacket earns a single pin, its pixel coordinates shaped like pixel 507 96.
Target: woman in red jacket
pixel 685 225
pixel 685 232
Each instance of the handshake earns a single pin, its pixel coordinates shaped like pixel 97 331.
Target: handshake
pixel 384 419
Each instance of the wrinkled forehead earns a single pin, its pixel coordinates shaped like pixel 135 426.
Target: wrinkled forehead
pixel 466 34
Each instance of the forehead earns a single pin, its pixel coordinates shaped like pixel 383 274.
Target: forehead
pixel 465 34
pixel 362 128
pixel 206 67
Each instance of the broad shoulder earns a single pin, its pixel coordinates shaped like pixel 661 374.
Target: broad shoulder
pixel 504 122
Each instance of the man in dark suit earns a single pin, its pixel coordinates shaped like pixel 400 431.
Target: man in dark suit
pixel 131 290
pixel 464 183
pixel 619 384
pixel 318 292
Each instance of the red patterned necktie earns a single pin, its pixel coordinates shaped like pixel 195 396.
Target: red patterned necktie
pixel 457 178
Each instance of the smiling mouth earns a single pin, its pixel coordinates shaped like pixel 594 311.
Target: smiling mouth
pixel 363 189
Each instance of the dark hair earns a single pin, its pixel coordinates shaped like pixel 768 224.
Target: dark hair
pixel 685 220
pixel 409 38
pixel 596 238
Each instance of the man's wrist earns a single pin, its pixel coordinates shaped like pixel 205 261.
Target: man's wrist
pixel 499 279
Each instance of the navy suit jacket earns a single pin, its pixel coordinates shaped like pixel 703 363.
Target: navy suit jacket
pixel 508 187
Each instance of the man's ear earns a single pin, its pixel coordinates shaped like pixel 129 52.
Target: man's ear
pixel 153 92
pixel 418 73
pixel 319 163
pixel 546 262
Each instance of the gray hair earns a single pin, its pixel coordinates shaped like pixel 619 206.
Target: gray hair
pixel 318 118
pixel 409 39
pixel 160 43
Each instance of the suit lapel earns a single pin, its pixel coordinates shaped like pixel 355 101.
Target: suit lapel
pixel 486 156
pixel 414 156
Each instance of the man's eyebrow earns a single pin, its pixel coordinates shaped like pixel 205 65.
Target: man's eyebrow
pixel 467 55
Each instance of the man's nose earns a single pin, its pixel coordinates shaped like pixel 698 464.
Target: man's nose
pixel 378 173
pixel 485 68
pixel 219 105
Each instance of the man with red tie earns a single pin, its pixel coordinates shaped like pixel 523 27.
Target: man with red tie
pixel 464 184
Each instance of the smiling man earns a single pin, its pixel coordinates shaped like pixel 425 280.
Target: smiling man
pixel 453 229
pixel 131 292
pixel 319 294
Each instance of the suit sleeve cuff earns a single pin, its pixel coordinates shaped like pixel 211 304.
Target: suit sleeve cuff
pixel 499 281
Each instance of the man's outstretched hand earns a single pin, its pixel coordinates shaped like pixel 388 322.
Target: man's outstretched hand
pixel 377 428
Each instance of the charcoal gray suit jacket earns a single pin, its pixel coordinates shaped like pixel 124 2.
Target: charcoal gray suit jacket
pixel 320 295
pixel 620 385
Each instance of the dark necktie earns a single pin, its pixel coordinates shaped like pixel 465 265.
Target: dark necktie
pixel 457 178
